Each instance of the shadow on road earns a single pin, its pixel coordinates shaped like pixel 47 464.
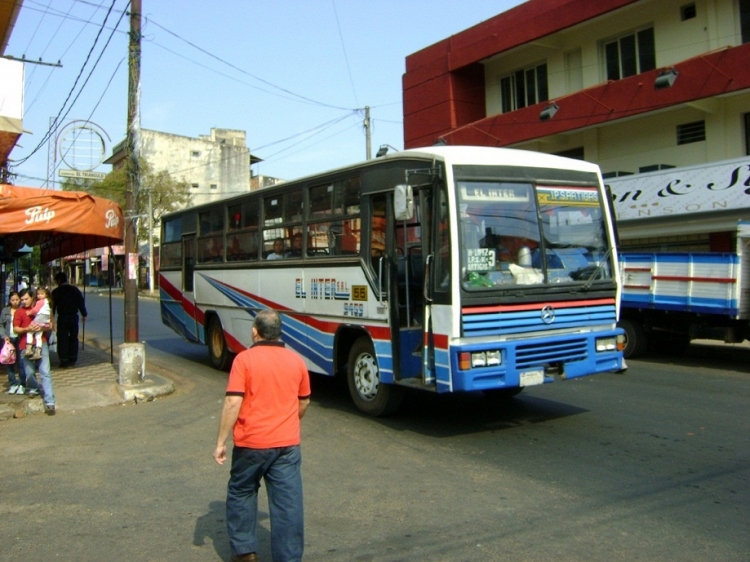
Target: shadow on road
pixel 448 415
pixel 725 357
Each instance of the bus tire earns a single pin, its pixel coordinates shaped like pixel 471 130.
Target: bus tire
pixel 218 352
pixel 363 376
pixel 636 342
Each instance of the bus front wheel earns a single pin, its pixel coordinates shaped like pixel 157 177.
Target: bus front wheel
pixel 218 352
pixel 368 393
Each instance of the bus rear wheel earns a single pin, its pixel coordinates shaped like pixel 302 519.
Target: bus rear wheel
pixel 368 393
pixel 218 352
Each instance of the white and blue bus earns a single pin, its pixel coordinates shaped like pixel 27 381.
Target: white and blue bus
pixel 448 269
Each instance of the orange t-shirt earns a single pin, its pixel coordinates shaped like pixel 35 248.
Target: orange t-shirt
pixel 271 379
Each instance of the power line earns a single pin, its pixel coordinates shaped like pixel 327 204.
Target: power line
pixel 60 116
pixel 245 72
pixel 343 48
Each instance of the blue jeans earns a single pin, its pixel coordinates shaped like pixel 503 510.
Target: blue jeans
pixel 29 366
pixel 280 468
pixel 15 368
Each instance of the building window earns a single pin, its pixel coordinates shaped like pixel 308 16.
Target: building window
pixel 194 185
pixel 691 132
pixel 214 186
pixel 688 11
pixel 195 153
pixel 630 54
pixel 523 88
pixel 745 20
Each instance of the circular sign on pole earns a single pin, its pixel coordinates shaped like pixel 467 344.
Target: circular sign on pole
pixel 82 145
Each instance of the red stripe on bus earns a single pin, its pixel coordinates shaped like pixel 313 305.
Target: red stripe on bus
pixel 379 333
pixel 440 340
pixel 728 280
pixel 534 306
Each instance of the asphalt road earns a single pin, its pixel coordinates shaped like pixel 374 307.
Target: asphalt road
pixel 651 465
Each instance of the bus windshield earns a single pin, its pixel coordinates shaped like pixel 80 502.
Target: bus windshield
pixel 516 233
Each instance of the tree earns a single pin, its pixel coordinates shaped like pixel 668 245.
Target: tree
pixel 167 194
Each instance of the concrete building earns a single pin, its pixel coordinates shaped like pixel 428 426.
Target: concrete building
pixel 215 166
pixel 657 92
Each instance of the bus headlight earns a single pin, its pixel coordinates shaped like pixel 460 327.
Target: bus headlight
pixel 476 359
pixel 606 344
pixel 494 358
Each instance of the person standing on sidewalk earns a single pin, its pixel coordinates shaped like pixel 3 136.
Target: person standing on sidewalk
pixel 16 375
pixel 67 302
pixel 267 395
pixel 22 324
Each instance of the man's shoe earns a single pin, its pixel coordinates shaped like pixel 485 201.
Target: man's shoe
pixel 49 409
pixel 20 389
pixel 249 557
pixel 33 393
pixel 13 389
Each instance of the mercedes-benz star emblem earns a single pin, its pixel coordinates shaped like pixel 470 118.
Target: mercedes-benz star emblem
pixel 548 314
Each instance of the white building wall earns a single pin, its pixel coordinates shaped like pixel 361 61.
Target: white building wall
pixel 215 166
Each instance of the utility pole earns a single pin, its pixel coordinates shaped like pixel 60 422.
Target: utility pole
pixel 130 282
pixel 150 245
pixel 368 132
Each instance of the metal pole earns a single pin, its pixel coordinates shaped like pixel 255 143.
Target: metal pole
pixel 368 133
pixel 83 328
pixel 112 277
pixel 130 281
pixel 150 245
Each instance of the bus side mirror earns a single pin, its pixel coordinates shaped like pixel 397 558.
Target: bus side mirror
pixel 403 202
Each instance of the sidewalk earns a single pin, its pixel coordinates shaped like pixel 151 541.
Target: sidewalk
pixel 91 383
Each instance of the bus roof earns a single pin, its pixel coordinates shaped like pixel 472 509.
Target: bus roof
pixel 483 155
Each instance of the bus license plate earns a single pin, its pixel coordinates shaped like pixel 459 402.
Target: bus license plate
pixel 530 378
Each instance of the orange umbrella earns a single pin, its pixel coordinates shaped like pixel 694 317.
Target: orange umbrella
pixel 61 222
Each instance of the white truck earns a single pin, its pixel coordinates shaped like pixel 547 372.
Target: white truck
pixel 669 299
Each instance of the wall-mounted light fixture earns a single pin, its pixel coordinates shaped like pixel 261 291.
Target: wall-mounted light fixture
pixel 665 79
pixel 549 112
pixel 383 150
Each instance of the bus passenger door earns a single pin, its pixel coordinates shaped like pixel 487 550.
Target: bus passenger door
pixel 424 300
pixel 191 322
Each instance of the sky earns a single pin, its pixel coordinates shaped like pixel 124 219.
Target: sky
pixel 295 75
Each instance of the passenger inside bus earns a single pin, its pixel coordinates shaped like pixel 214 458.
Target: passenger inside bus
pixel 235 251
pixel 509 249
pixel 278 250
pixel 215 251
pixel 296 250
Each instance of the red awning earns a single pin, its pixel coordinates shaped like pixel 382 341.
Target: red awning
pixel 61 222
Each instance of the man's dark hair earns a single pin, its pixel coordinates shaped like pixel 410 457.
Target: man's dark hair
pixel 29 291
pixel 268 324
pixel 60 277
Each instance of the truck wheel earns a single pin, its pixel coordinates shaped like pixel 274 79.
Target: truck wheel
pixel 218 352
pixel 368 393
pixel 636 343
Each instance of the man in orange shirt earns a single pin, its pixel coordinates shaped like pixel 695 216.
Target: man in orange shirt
pixel 267 395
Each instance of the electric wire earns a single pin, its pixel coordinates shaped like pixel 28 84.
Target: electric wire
pixel 245 72
pixel 51 70
pixel 343 48
pixel 60 116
